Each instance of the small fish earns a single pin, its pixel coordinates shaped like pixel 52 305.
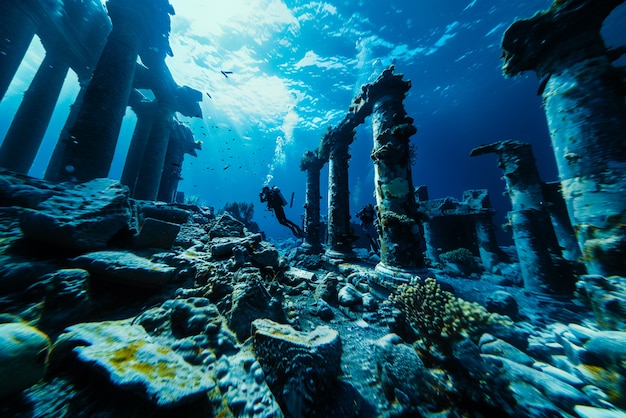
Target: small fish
pixel 207 93
pixel 225 73
pixel 227 167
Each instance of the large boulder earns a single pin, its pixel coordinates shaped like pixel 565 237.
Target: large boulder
pixel 400 370
pixel 300 368
pixel 23 351
pixel 126 268
pixel 250 300
pixel 83 218
pixel 126 354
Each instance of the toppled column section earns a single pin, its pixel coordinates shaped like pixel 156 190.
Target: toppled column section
pixel 584 104
pixel 312 164
pixel 543 268
pixel 399 233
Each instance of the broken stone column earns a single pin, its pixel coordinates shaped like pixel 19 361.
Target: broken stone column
pixel 560 220
pixel 145 111
pixel 399 234
pixel 483 223
pixel 584 103
pixel 312 164
pixel 24 137
pixel 94 135
pixel 181 142
pixel 543 269
pixel 17 30
pixel 339 233
pixel 149 177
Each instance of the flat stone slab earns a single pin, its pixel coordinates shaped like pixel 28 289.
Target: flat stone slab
pixel 125 267
pixel 126 354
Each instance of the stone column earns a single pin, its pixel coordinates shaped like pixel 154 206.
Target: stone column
pixel 400 249
pixel 586 113
pixel 181 142
pixel 489 251
pixel 560 220
pixel 429 241
pixel 17 30
pixel 94 134
pixel 339 232
pixel 312 164
pixel 55 165
pixel 543 269
pixel 147 185
pixel 146 112
pixel 24 137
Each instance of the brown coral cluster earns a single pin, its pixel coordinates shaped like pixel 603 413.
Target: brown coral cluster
pixel 438 315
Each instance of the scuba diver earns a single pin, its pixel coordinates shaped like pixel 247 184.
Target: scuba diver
pixel 276 201
pixel 367 216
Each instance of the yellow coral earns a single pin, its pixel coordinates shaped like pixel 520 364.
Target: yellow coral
pixel 438 315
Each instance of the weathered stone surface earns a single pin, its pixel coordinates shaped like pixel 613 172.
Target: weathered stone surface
pixel 561 394
pixel 349 296
pixel 156 233
pixel 400 370
pixel 585 411
pixel 241 381
pixel 498 347
pixel 295 276
pixel 606 296
pixel 18 274
pixel 83 218
pixel 265 254
pixel 23 351
pixel 300 368
pixel 126 268
pixel 250 301
pixel 126 355
pixel 223 247
pixel 163 212
pixel 227 225
pixel 324 311
pixel 503 303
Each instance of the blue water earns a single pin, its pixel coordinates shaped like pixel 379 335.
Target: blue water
pixel 296 66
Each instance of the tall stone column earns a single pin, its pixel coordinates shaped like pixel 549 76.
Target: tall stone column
pixel 584 104
pixel 146 113
pixel 181 142
pixel 17 30
pixel 147 185
pixel 24 137
pixel 339 233
pixel 55 165
pixel 94 135
pixel 543 269
pixel 560 220
pixel 400 249
pixel 312 164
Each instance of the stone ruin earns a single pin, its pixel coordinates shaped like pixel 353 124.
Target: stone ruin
pixel 102 47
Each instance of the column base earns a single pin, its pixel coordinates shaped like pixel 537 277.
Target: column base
pixel 337 257
pixel 312 249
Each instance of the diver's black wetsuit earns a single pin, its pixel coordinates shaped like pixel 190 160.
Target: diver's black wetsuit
pixel 275 202
pixel 367 215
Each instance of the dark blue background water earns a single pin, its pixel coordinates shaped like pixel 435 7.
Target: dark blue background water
pixel 296 67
